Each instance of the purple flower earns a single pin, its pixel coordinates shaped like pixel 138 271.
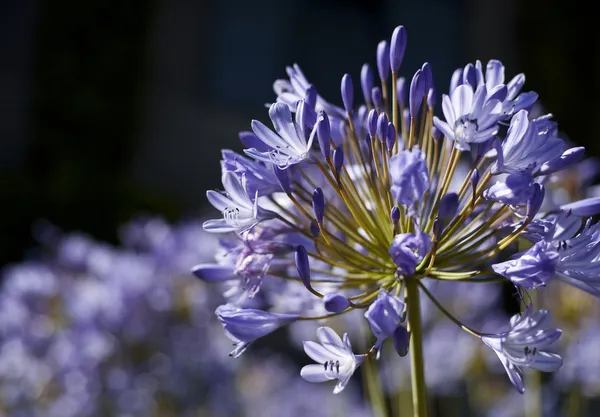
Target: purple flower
pixel 244 326
pixel 409 176
pixel 470 117
pixel 335 359
pixel 260 178
pixel 514 101
pixel 523 344
pixel 532 269
pixel 384 316
pixel 516 189
pixel 527 146
pixel 240 211
pixel 408 249
pixel 291 91
pixel 292 142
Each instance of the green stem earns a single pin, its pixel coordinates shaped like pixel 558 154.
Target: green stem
pixel 419 390
pixel 374 390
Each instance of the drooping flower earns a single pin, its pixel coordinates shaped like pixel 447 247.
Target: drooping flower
pixel 335 359
pixel 523 344
pixel 245 325
pixel 385 315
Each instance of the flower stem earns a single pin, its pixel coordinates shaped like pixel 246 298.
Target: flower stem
pixel 374 390
pixel 419 390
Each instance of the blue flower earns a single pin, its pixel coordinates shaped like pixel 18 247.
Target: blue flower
pixel 532 269
pixel 528 145
pixel 291 91
pixel 384 316
pixel 408 249
pixel 293 140
pixel 240 211
pixel 409 176
pixel 574 260
pixel 523 344
pixel 335 358
pixel 260 178
pixel 515 189
pixel 514 99
pixel 245 325
pixel 470 117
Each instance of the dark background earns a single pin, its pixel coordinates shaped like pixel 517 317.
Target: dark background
pixel 111 108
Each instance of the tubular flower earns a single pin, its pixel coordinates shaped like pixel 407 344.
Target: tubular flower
pixel 522 345
pixel 355 207
pixel 335 358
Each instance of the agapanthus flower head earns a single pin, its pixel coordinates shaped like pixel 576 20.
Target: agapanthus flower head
pixel 390 196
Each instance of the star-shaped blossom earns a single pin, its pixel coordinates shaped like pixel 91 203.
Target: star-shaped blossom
pixel 297 88
pixel 528 145
pixel 292 140
pixel 334 357
pixel 240 211
pixel 574 260
pixel 494 80
pixel 523 344
pixel 470 116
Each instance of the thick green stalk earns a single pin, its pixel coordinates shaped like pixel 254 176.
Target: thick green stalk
pixel 419 390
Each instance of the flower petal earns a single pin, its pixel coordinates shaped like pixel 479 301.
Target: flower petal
pixel 314 373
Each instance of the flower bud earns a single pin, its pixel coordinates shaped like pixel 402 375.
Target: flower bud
pixel 383 60
pixel 397 48
pixel 417 93
pixel 303 265
pixel 391 136
pixel 347 92
pixel 395 215
pixel 401 340
pixel 338 159
pixel 382 126
pixel 335 303
pixel 377 97
pixel 372 123
pixel 318 204
pixel 366 81
pixel 401 92
pixel 324 133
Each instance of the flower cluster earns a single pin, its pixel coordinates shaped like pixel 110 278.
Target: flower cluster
pixel 361 205
pixel 88 328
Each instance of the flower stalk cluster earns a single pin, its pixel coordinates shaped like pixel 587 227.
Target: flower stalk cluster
pixel 361 204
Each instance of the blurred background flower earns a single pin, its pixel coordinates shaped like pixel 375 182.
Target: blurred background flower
pixel 112 109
